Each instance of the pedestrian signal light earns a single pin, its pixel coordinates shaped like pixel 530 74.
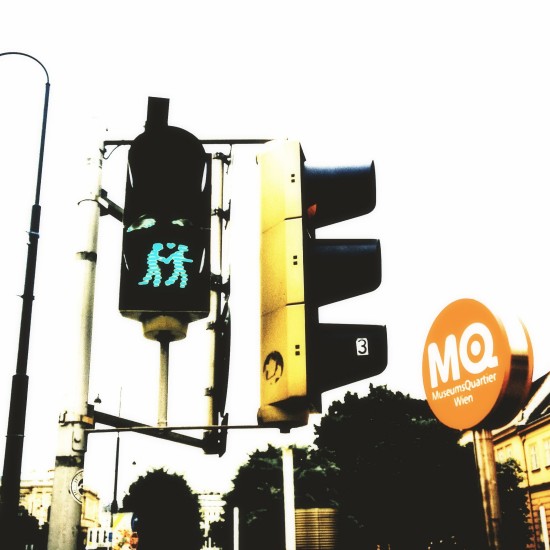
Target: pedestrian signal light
pixel 300 357
pixel 165 269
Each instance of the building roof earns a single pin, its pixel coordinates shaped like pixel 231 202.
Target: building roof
pixel 536 405
pixel 542 407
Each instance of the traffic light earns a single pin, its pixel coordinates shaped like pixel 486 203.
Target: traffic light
pixel 165 268
pixel 301 357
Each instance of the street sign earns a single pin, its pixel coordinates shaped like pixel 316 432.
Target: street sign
pixel 477 367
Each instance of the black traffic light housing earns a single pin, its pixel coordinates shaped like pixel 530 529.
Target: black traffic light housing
pixel 335 270
pixel 165 268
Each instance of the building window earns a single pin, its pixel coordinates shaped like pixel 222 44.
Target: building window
pixel 534 457
pixel 546 449
pixel 504 453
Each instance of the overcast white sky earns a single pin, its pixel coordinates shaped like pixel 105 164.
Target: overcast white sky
pixel 450 100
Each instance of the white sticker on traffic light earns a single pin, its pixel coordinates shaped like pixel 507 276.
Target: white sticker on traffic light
pixel 362 346
pixel 273 367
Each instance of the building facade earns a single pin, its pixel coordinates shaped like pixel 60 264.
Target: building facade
pixel 527 440
pixel 36 497
pixel 211 509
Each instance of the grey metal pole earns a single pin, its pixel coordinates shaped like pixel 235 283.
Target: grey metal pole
pixel 216 232
pixel 485 458
pixel 114 504
pixel 13 453
pixel 288 494
pixel 235 528
pixel 163 381
pixel 66 511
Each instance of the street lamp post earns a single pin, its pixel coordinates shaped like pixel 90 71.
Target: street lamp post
pixel 114 503
pixel 11 478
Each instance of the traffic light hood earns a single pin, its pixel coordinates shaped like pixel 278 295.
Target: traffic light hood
pixel 166 176
pixel 333 195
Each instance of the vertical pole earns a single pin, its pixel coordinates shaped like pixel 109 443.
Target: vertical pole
pixel 114 504
pixel 288 494
pixel 66 511
pixel 485 458
pixel 13 452
pixel 163 382
pixel 235 528
pixel 534 533
pixel 544 528
pixel 216 231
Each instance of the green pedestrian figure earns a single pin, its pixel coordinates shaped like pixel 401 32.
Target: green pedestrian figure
pixel 177 259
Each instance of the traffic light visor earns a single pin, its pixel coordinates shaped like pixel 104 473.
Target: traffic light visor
pixel 333 195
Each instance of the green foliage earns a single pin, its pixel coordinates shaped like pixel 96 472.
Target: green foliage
pixel 404 479
pixel 398 477
pixel 168 511
pixel 513 503
pixel 28 533
pixel 315 478
pixel 402 476
pixel 258 493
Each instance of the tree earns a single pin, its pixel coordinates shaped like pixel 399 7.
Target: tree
pixel 513 503
pixel 258 494
pixel 399 478
pixel 404 481
pixel 315 478
pixel 28 531
pixel 167 511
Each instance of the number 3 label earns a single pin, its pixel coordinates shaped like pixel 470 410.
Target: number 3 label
pixel 362 346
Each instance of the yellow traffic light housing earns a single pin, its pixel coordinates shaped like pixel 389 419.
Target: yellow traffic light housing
pixel 283 342
pixel 300 357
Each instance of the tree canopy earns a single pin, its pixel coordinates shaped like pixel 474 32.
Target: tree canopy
pixel 258 494
pixel 397 476
pixel 167 511
pixel 404 481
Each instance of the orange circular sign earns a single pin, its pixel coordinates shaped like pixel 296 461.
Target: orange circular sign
pixel 476 368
